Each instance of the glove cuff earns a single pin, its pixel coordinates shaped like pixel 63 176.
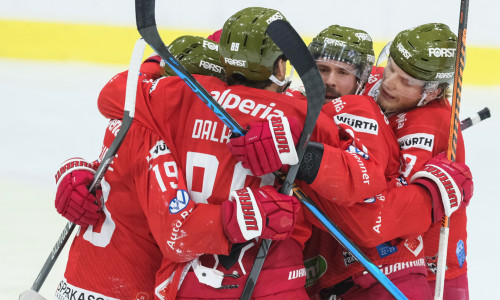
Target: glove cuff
pixel 73 164
pixel 448 189
pixel 283 140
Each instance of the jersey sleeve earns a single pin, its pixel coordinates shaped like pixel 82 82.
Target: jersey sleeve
pixel 403 212
pixel 183 229
pixel 366 155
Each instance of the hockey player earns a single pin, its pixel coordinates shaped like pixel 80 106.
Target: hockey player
pixel 209 224
pixel 118 255
pixel 412 90
pixel 345 57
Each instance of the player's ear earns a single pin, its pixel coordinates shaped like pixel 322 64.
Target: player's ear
pixel 433 94
pixel 281 69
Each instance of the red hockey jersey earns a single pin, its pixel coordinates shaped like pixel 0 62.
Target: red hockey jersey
pixel 423 133
pixel 168 107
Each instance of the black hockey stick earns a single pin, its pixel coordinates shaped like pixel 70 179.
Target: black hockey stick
pixel 146 24
pixel 478 117
pixel 292 45
pixel 128 117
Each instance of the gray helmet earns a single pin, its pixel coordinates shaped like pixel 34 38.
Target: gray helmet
pixel 345 44
pixel 426 52
pixel 244 46
pixel 198 55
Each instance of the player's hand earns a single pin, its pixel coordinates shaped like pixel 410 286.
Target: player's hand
pixel 261 212
pixel 449 183
pixel 267 146
pixel 73 199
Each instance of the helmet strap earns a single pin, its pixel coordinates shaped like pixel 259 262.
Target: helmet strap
pixel 277 81
pixel 422 99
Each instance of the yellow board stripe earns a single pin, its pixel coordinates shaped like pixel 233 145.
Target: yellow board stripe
pixel 113 45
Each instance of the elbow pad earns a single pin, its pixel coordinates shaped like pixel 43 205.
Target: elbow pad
pixel 311 162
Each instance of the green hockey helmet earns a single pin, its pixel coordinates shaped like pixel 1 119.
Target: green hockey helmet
pixel 198 55
pixel 345 44
pixel 426 52
pixel 245 48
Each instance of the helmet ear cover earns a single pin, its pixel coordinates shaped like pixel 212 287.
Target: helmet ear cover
pixel 245 49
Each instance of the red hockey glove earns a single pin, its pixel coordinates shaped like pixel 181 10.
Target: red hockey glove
pixel 267 145
pixel 450 185
pixel 261 212
pixel 73 199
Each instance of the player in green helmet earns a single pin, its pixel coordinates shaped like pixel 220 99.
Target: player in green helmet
pixel 412 89
pixel 344 57
pixel 369 138
pixel 198 55
pixel 249 56
pixel 420 67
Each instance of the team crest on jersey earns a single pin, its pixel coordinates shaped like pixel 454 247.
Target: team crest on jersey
pixel 179 203
pixel 415 246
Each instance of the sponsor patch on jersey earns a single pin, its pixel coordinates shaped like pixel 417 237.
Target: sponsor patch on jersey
pixel 66 291
pixel 386 249
pixel 315 268
pixel 359 124
pixel 423 141
pixel 460 251
pixel 349 258
pixel 179 203
pixel 159 149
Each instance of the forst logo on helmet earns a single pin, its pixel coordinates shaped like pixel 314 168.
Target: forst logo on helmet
pixel 210 66
pixel 276 16
pixel 403 51
pixel 363 36
pixel 334 42
pixel 442 52
pixel 210 45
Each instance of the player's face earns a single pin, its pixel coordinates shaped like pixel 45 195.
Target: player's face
pixel 398 91
pixel 338 77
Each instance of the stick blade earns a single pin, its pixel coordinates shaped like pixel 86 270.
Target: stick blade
pixel 31 295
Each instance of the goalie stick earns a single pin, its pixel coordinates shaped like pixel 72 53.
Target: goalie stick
pixel 146 25
pixel 128 117
pixel 452 142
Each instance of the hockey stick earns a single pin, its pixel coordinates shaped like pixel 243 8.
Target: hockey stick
pixel 128 117
pixel 146 24
pixel 452 142
pixel 292 45
pixel 478 117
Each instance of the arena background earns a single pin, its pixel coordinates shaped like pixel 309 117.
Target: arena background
pixel 56 55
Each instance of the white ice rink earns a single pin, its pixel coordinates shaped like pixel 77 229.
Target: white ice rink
pixel 49 113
